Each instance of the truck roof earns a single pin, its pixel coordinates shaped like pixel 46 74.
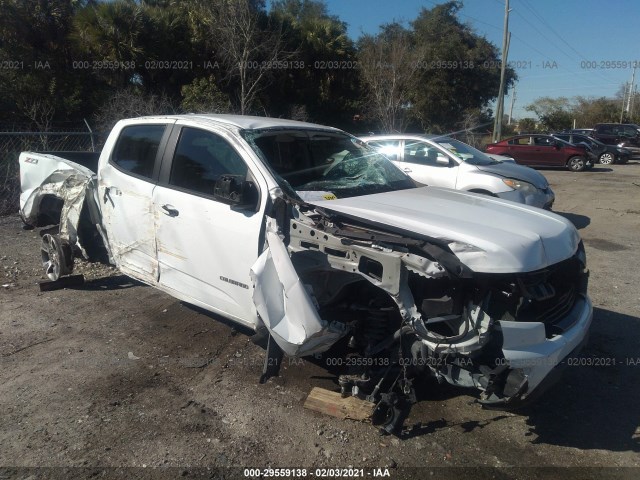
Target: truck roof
pixel 245 122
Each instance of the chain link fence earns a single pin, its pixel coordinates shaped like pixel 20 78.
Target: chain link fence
pixel 14 142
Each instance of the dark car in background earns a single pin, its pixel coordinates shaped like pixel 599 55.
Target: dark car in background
pixel 543 151
pixel 622 134
pixel 605 154
pixel 581 131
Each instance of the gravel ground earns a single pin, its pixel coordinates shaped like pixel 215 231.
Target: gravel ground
pixel 116 379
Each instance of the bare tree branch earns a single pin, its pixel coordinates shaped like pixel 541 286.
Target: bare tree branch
pixel 387 63
pixel 248 51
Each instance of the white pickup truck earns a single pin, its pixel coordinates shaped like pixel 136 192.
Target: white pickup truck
pixel 305 234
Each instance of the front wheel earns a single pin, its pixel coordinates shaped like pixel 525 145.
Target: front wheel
pixel 577 164
pixel 607 158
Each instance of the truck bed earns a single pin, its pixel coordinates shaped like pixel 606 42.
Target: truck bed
pixel 86 159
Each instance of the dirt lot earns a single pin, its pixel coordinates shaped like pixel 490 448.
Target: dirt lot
pixel 113 375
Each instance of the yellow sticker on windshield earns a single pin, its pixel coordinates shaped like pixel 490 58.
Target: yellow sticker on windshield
pixel 329 196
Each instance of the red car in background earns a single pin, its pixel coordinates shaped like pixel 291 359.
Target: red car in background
pixel 542 151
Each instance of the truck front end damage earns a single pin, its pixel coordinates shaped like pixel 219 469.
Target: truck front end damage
pixel 408 306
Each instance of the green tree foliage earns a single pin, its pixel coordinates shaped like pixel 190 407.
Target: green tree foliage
pixel 554 113
pixel 589 111
pixel 527 125
pixel 323 82
pixel 203 96
pixel 293 60
pixel 457 68
pixel 35 38
pixel 560 113
pixel 146 43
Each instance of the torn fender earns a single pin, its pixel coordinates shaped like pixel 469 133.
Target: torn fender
pixel 285 306
pixel 43 175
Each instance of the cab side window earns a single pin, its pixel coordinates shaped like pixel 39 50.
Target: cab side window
pixel 201 157
pixel 136 149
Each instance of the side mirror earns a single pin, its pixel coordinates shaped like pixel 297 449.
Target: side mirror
pixel 442 160
pixel 235 190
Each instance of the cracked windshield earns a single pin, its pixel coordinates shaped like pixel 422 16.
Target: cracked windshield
pixel 325 166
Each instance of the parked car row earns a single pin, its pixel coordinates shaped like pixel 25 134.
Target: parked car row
pixel 605 154
pixel 621 139
pixel 538 150
pixel 577 149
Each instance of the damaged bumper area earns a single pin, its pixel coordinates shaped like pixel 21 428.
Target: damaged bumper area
pixel 532 357
pixel 409 307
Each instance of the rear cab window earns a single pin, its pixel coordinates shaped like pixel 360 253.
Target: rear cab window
pixel 137 148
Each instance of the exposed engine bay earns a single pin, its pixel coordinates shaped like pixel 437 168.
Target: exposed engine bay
pixel 408 307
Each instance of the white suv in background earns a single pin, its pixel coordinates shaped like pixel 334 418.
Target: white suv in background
pixel 442 161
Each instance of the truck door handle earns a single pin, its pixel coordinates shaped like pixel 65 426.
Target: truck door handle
pixel 406 170
pixel 107 194
pixel 170 210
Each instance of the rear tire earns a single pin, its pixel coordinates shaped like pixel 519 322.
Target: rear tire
pixel 576 164
pixel 57 258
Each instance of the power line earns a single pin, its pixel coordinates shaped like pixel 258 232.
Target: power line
pixel 537 30
pixel 545 23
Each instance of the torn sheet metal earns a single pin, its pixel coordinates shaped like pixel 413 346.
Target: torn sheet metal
pixel 43 175
pixel 286 307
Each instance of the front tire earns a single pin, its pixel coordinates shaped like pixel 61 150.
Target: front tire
pixel 607 158
pixel 576 164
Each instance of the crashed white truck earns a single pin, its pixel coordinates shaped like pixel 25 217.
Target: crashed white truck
pixel 310 238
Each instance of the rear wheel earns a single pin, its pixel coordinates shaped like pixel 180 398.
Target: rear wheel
pixel 577 164
pixel 57 258
pixel 607 158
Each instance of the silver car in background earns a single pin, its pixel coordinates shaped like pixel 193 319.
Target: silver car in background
pixel 442 161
